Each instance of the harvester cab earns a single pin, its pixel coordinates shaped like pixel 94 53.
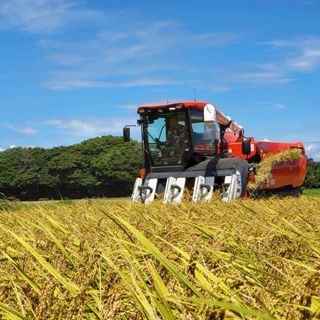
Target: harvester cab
pixel 194 145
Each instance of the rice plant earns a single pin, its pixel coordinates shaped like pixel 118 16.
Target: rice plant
pixel 251 259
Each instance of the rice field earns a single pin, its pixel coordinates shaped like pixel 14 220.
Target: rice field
pixel 251 259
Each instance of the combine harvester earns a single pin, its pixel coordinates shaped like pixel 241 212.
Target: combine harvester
pixel 194 145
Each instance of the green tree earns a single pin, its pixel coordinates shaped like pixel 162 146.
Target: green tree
pixel 96 167
pixel 312 179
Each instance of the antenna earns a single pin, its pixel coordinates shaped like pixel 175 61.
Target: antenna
pixel 194 94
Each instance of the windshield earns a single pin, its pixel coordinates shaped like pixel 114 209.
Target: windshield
pixel 167 137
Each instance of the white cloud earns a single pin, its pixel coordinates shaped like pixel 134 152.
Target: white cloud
pixel 24 130
pixel 307 60
pixel 300 54
pixel 308 3
pixel 313 150
pixel 13 146
pixel 43 16
pixel 309 147
pixel 71 59
pixel 297 42
pixel 272 105
pixel 257 74
pixel 286 59
pixel 142 50
pixel 91 127
pixel 130 53
pixel 214 39
pixel 138 52
pixel 221 88
pixel 73 84
pixel 260 77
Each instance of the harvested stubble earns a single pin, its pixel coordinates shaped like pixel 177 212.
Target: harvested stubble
pixel 266 165
pixel 114 260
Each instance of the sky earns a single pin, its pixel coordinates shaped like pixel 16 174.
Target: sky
pixel 76 69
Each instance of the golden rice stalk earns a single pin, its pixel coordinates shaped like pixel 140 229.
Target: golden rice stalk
pixel 266 165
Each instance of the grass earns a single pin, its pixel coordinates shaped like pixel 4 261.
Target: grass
pixel 311 192
pixel 115 260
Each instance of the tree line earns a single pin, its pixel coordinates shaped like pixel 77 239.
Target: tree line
pixel 98 167
pixel 103 166
pixel 313 174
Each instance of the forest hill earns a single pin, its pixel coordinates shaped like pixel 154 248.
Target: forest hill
pixel 103 166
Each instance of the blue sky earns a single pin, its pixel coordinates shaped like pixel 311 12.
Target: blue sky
pixel 75 69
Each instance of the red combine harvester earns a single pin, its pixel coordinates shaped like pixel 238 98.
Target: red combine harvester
pixel 194 145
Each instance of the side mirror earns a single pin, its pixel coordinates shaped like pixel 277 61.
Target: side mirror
pixel 246 147
pixel 126 134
